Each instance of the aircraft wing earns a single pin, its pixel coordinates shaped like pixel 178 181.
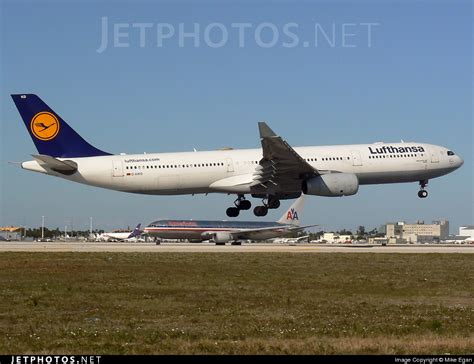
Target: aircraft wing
pixel 281 166
pixel 244 234
pixel 65 167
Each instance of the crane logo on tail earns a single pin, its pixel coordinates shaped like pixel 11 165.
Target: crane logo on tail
pixel 292 215
pixel 44 126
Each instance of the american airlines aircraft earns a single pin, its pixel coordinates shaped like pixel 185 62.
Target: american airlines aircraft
pixel 273 172
pixel 222 232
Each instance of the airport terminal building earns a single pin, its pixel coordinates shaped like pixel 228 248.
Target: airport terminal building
pixel 10 233
pixel 401 232
pixel 337 238
pixel 466 235
pixel 467 231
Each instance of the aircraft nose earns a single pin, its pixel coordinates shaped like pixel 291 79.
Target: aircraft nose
pixel 460 161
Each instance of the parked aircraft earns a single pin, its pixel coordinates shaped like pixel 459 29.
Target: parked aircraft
pixel 222 232
pixel 121 236
pixel 298 239
pixel 274 172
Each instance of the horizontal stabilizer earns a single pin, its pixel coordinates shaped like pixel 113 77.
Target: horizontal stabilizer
pixel 64 167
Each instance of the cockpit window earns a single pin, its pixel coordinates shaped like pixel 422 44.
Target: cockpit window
pixel 450 152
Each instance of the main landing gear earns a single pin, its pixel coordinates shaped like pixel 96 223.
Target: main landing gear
pixel 422 193
pixel 270 203
pixel 240 204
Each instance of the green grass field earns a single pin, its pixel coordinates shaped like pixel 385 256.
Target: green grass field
pixel 236 303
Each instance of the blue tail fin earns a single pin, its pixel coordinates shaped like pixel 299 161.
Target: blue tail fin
pixel 51 134
pixel 135 232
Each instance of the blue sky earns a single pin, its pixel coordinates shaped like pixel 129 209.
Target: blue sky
pixel 413 82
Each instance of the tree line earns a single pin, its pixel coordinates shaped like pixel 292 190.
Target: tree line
pixel 56 233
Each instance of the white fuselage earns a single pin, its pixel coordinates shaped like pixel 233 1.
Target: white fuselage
pixel 231 171
pixel 115 236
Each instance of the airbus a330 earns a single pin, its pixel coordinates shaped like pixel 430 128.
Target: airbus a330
pixel 273 172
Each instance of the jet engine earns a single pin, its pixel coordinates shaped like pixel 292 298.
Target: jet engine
pixel 332 184
pixel 218 237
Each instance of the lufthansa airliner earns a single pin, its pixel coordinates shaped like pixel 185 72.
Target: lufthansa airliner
pixel 273 172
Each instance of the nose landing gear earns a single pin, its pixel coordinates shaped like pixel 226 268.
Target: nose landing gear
pixel 422 193
pixel 240 204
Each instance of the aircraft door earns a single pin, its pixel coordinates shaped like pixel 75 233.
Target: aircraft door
pixel 434 156
pixel 356 159
pixel 230 164
pixel 117 168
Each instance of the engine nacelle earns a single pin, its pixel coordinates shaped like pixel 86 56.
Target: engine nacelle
pixel 332 184
pixel 195 240
pixel 218 237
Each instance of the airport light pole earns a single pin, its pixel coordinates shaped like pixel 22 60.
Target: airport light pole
pixel 42 227
pixel 23 229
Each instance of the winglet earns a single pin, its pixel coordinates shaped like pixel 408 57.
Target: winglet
pixel 265 130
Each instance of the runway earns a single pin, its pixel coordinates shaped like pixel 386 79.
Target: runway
pixel 74 246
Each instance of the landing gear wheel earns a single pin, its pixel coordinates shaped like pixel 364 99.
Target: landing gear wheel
pixel 242 204
pixel 260 211
pixel 245 205
pixel 273 203
pixel 422 194
pixel 232 212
